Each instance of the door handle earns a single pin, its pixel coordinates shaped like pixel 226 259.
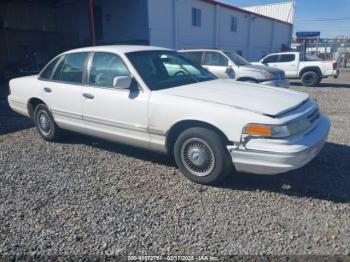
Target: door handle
pixel 88 96
pixel 47 90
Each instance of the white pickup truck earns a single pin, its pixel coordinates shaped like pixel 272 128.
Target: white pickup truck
pixel 298 66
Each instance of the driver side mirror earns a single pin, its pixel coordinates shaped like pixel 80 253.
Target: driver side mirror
pixel 122 82
pixel 230 72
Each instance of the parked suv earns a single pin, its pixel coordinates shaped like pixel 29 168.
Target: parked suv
pixel 224 64
pixel 298 66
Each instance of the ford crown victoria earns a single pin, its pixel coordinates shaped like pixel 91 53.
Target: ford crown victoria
pixel 157 99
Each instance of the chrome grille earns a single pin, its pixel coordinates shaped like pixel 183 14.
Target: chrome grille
pixel 314 116
pixel 303 124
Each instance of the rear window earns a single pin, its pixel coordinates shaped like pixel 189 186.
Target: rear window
pixel 312 58
pixel 193 56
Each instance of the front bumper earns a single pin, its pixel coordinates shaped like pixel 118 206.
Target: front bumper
pixel 277 83
pixel 285 156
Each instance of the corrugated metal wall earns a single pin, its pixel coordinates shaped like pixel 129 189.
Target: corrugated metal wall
pixel 28 16
pixel 281 11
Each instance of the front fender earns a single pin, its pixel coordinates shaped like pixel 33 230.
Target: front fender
pixel 166 111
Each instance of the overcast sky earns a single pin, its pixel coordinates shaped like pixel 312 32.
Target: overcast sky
pixel 334 15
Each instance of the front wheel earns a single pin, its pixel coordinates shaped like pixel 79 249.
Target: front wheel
pixel 202 156
pixel 45 123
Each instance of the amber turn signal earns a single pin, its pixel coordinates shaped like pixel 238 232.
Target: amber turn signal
pixel 257 130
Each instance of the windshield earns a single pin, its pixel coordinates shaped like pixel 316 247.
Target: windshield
pixel 167 69
pixel 237 59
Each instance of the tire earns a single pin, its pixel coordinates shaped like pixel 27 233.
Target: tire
pixel 45 124
pixel 319 81
pixel 310 79
pixel 202 156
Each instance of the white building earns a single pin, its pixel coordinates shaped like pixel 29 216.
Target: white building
pixel 173 23
pixel 282 11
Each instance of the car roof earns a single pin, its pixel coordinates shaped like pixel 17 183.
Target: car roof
pixel 283 53
pixel 117 49
pixel 202 50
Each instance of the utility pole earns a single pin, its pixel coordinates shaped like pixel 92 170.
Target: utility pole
pixel 317 42
pixel 92 22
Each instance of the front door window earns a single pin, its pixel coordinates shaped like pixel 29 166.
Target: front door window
pixel 104 68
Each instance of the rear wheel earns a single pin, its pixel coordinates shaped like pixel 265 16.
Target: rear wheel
pixel 310 79
pixel 319 81
pixel 202 156
pixel 45 123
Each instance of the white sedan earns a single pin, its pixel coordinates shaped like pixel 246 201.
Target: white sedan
pixel 155 98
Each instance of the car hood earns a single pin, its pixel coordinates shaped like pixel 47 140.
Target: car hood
pixel 260 99
pixel 263 68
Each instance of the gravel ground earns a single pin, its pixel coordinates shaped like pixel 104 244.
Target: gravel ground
pixel 88 196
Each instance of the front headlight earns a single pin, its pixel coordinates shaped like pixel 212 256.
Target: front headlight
pixel 281 131
pixel 272 131
pixel 268 76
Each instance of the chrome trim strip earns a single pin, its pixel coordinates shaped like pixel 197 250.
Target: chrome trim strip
pixel 110 123
pixel 289 109
pixel 115 124
pixel 16 101
pixel 156 132
pixel 66 114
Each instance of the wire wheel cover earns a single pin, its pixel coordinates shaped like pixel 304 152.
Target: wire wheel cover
pixel 44 122
pixel 198 157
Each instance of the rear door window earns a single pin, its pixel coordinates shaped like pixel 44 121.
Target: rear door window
pixel 71 69
pixel 194 56
pixel 215 59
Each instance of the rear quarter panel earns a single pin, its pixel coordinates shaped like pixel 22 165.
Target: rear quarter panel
pixel 322 65
pixel 22 90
